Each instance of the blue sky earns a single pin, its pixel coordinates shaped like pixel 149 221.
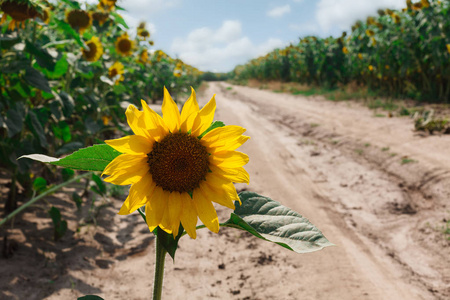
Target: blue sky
pixel 216 35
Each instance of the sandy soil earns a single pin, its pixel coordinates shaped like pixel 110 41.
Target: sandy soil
pixel 335 163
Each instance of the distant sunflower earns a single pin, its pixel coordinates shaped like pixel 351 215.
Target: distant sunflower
pixel 115 72
pixel 345 50
pixel 151 43
pixel 106 5
pixel 45 15
pixel 360 56
pixel 124 45
pixel 79 19
pixel 100 17
pixel 175 169
pixel 18 11
pixel 95 49
pixel 143 33
pixel 143 56
pixel 448 48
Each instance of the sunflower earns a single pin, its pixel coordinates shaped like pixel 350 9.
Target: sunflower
pixel 176 169
pixel 143 33
pixel 124 45
pixel 100 16
pixel 18 11
pixel 78 19
pixel 45 15
pixel 106 5
pixel 345 50
pixel 151 43
pixel 360 56
pixel 143 56
pixel 95 49
pixel 448 48
pixel 115 72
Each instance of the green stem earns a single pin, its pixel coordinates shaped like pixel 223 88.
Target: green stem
pixel 34 199
pixel 159 268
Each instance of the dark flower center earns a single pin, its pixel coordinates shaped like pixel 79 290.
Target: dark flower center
pixel 124 45
pixel 78 19
pixel 179 162
pixel 90 54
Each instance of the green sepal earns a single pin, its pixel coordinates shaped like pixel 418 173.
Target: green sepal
pixel 269 220
pixel 169 242
pixel 214 125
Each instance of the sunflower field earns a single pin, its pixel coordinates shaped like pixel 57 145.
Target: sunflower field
pixel 399 53
pixel 68 72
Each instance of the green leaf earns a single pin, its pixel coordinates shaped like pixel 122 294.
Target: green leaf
pixel 70 31
pixel 119 19
pixel 36 79
pixel 68 104
pixel 67 174
pixel 77 199
pixel 60 225
pixel 273 222
pixel 14 119
pixel 36 128
pixel 215 124
pixel 100 185
pixel 8 42
pixel 94 158
pixel 72 4
pixel 61 67
pixel 39 184
pixel 43 59
pixel 90 297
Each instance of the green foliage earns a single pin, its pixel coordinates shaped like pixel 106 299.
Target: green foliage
pixel 39 184
pixel 417 41
pixel 273 222
pixel 90 297
pixel 77 199
pixel 59 225
pixel 94 158
pixel 54 100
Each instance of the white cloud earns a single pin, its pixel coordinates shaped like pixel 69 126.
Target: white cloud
pixel 221 49
pixel 343 13
pixel 144 8
pixel 279 11
pixel 305 29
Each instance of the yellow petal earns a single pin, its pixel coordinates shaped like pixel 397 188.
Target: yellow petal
pixel 175 206
pixel 188 215
pixel 138 195
pixel 158 204
pixel 219 196
pixel 136 121
pixel 239 175
pixel 156 127
pixel 229 145
pixel 206 211
pixel 218 135
pixel 204 118
pixel 190 107
pixel 166 223
pixel 126 169
pixel 149 212
pixel 132 144
pixel 171 114
pixel 220 184
pixel 229 159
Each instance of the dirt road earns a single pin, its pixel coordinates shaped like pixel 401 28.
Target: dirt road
pixel 377 190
